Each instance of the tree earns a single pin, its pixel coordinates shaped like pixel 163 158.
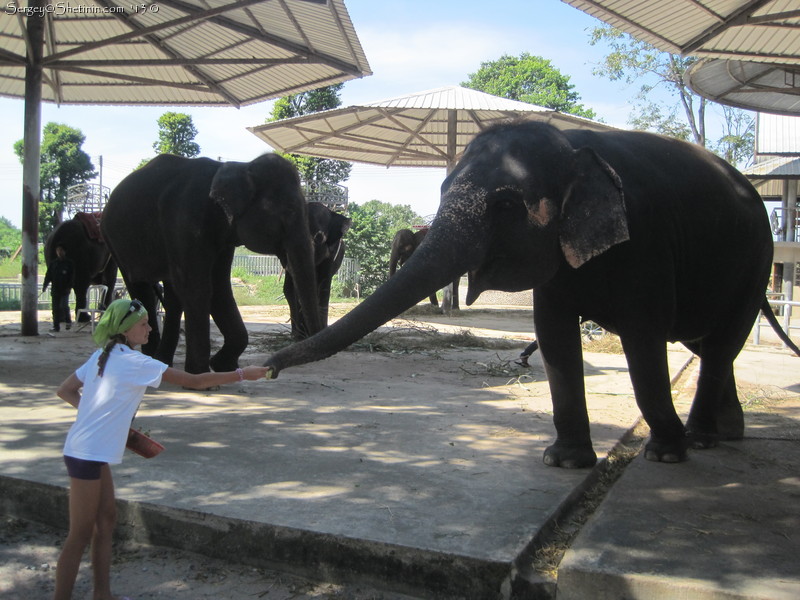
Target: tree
pixel 530 79
pixel 10 237
pixel 176 133
pixel 316 173
pixel 63 164
pixel 633 60
pixel 369 240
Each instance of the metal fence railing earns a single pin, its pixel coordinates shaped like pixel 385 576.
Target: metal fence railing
pixel 786 318
pixel 263 265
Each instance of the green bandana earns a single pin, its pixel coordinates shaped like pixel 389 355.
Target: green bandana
pixel 120 316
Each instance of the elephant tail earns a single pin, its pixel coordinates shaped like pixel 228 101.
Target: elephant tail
pixel 773 321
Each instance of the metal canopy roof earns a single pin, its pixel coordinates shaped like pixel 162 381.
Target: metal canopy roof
pixel 424 129
pixel 183 52
pixel 761 30
pixel 751 47
pixel 758 86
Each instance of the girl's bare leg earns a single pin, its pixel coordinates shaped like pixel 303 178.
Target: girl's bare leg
pixel 84 501
pixel 103 536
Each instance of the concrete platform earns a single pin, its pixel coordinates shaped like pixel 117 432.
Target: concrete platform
pixel 421 472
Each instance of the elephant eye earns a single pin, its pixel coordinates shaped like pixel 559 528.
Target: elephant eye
pixel 507 199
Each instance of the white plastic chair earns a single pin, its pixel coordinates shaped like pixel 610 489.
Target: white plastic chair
pixel 94 300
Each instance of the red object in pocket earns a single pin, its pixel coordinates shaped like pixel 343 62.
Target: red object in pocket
pixel 143 445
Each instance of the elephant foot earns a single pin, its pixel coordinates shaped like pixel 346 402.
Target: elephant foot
pixel 570 456
pixel 667 452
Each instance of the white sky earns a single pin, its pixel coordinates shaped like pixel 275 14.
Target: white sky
pixel 411 45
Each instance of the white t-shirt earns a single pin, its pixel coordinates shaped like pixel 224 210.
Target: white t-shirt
pixel 109 403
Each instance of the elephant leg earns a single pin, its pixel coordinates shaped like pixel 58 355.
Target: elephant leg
pixel 81 288
pixel 434 300
pixel 145 293
pixel 455 305
pixel 198 335
pixel 649 372
pixel 295 314
pixel 560 345
pixel 716 412
pixel 228 319
pixel 173 311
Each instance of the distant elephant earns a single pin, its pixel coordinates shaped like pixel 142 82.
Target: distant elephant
pixel 80 237
pixel 178 220
pixel 327 229
pixel 404 244
pixel 652 238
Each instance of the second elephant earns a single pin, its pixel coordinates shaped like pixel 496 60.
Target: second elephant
pixel 178 221
pixel 404 245
pixel 327 229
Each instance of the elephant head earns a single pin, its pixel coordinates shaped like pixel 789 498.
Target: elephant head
pixel 327 229
pixel 520 205
pixel 265 207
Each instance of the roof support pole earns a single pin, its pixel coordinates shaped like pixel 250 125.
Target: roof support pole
pixel 30 170
pixel 452 132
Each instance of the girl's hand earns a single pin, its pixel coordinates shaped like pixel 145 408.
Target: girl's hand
pixel 253 373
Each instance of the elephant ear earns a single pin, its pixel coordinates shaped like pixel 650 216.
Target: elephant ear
pixel 593 215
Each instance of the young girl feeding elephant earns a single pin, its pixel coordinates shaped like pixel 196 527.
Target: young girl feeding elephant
pixel 107 390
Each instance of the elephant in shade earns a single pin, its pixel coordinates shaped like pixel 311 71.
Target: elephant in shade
pixel 327 229
pixel 404 244
pixel 652 238
pixel 178 220
pixel 84 245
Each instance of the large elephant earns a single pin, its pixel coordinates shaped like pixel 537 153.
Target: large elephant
pixel 80 237
pixel 652 238
pixel 327 229
pixel 178 220
pixel 404 244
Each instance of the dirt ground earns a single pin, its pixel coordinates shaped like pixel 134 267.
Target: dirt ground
pixel 29 551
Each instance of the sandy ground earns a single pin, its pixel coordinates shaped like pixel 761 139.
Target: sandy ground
pixel 29 551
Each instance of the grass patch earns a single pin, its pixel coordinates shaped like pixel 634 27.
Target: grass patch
pixel 256 290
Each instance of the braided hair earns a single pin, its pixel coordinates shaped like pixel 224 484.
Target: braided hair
pixel 119 338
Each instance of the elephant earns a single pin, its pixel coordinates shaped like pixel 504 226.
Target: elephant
pixel 327 229
pixel 80 237
pixel 654 239
pixel 178 221
pixel 404 244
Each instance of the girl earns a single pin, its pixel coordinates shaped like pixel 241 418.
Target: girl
pixel 114 381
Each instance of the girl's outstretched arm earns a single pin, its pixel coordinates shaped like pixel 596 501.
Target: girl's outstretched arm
pixel 201 381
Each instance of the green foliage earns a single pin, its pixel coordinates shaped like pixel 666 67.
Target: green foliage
pixel 176 133
pixel 63 164
pixel 369 240
pixel 635 61
pixel 10 238
pixel 315 172
pixel 737 144
pixel 531 79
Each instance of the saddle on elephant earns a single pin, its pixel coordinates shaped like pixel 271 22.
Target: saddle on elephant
pixel 91 224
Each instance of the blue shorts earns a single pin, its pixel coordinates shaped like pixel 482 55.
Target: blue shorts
pixel 83 469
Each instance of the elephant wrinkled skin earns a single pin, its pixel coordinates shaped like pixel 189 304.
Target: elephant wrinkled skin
pixel 178 221
pixel 652 238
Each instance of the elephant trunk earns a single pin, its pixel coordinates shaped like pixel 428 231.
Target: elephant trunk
pixel 437 261
pixel 300 259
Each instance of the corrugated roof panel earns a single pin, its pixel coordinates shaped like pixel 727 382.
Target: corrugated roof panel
pixel 221 52
pixel 777 134
pixel 705 28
